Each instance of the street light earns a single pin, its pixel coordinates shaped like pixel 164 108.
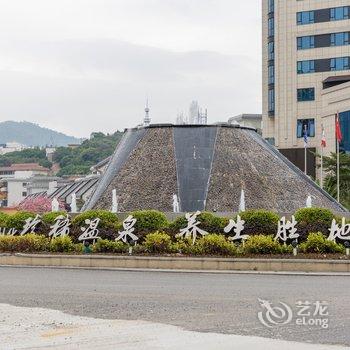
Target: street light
pixel 295 247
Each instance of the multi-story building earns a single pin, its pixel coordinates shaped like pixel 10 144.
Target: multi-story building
pixel 15 179
pixel 306 75
pixel 11 147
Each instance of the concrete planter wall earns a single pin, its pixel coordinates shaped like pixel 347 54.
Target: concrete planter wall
pixel 175 263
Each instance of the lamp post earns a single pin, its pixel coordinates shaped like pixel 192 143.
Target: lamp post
pixel 295 247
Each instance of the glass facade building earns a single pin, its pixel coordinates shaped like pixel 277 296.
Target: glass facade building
pixel 306 73
pixel 344 118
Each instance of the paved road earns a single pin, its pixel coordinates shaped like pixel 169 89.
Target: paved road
pixel 222 303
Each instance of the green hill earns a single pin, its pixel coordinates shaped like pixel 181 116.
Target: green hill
pixel 31 134
pixel 76 161
pixel 72 161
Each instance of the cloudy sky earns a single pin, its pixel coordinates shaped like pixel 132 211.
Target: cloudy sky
pixel 79 66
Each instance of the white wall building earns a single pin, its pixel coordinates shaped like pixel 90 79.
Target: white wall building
pixel 15 179
pixel 11 147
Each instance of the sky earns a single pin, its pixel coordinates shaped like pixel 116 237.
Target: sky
pixel 79 66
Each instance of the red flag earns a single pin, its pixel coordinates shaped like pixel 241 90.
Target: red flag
pixel 323 140
pixel 338 133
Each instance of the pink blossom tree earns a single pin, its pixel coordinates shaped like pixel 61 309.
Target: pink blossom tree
pixel 38 205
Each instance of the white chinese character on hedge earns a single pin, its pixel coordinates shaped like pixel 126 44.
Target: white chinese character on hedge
pixel 340 232
pixel 286 229
pixel 30 225
pixel 91 232
pixel 8 232
pixel 128 225
pixel 60 227
pixel 192 229
pixel 238 229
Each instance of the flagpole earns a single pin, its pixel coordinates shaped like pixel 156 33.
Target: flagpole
pixel 321 175
pixel 305 149
pixel 338 133
pixel 323 144
pixel 338 173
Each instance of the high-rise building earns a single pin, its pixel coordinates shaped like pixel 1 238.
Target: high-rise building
pixel 306 75
pixel 147 118
pixel 193 112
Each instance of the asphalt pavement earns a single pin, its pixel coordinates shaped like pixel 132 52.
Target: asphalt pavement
pixel 209 303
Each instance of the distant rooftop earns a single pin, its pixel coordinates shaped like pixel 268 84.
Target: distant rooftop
pixel 24 167
pixel 245 116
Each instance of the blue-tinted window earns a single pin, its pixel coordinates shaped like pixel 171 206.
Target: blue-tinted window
pixel 307 94
pixel 271 27
pixel 339 63
pixel 305 17
pixel 306 42
pixel 271 6
pixel 306 67
pixel 271 73
pixel 271 50
pixel 271 140
pixel 340 39
pixel 344 119
pixel 307 125
pixel 271 100
pixel 339 13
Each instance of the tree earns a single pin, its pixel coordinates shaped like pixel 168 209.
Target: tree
pixel 78 161
pixel 330 181
pixel 30 155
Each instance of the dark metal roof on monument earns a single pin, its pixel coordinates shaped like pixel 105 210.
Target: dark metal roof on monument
pixel 206 166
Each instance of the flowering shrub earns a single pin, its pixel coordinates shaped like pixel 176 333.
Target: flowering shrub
pixel 261 244
pixel 26 244
pixel 157 242
pixel 38 205
pixel 318 243
pixel 62 245
pixel 215 244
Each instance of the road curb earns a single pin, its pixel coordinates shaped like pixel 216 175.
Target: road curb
pixel 179 264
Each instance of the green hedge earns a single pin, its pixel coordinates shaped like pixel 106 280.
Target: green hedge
pixel 17 220
pixel 150 220
pixel 260 222
pixel 108 220
pixel 161 243
pixel 49 218
pixel 62 245
pixel 208 222
pixel 3 219
pixel 35 243
pixel 313 220
pixel 30 243
pixel 317 243
pixel 158 242
pixel 108 226
pixel 158 236
pixel 106 246
pixel 261 244
pixel 215 244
